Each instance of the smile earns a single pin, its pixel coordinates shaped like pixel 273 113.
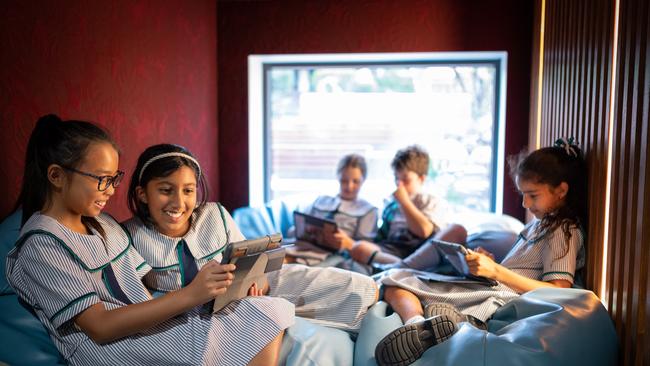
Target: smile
pixel 173 214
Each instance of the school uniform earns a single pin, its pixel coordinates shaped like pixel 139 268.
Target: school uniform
pixel 541 256
pixel 395 237
pixel 60 273
pixel 357 218
pixel 325 296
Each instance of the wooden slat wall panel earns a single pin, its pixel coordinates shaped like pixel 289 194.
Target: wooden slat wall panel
pixel 629 250
pixel 576 83
pixel 575 95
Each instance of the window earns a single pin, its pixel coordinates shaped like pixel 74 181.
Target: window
pixel 307 111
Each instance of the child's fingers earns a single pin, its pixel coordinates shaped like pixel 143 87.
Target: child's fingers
pixel 215 267
pixel 218 285
pixel 471 256
pixel 220 276
pixel 485 252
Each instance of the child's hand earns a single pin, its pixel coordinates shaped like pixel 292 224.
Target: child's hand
pixel 338 239
pixel 481 265
pixel 344 240
pixel 211 281
pixel 483 251
pixel 401 194
pixel 255 291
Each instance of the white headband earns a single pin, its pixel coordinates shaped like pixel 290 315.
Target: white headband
pixel 165 155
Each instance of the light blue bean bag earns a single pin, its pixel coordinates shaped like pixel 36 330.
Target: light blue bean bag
pixel 542 327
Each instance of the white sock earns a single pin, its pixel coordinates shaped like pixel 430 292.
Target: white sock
pixel 415 319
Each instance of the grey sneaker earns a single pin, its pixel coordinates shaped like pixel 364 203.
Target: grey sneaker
pixel 406 344
pixel 441 308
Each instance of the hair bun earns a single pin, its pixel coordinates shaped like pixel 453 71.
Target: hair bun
pixel 46 122
pixel 48 118
pixel 569 145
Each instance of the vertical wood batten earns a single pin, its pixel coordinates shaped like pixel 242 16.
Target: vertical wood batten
pixel 630 254
pixel 581 84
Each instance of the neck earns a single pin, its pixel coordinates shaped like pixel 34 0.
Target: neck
pixel 68 219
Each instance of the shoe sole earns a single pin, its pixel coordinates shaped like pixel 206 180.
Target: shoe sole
pixel 407 344
pixel 444 309
pixel 453 314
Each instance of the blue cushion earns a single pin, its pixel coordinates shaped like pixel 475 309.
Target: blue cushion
pixel 24 339
pixel 281 216
pixel 547 326
pixel 497 242
pixel 9 230
pixel 374 327
pixel 253 222
pixel 310 344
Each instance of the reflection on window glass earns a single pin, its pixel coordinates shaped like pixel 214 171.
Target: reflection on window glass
pixel 317 114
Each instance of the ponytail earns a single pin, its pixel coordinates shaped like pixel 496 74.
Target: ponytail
pixel 54 141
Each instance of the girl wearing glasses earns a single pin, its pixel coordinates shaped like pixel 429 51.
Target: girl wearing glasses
pixel 177 232
pixel 75 267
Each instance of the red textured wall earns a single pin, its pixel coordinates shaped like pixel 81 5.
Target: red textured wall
pixel 144 69
pixel 276 27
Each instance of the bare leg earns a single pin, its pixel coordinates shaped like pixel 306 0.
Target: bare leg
pixel 404 302
pixel 454 233
pixel 269 354
pixel 363 250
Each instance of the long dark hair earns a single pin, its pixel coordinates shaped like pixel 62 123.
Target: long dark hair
pixel 554 165
pixel 162 168
pixel 54 141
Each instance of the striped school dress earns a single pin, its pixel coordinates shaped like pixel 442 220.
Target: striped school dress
pixel 541 256
pixel 357 218
pixel 326 296
pixel 61 273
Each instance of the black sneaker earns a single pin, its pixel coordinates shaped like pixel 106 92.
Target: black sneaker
pixel 441 308
pixel 406 344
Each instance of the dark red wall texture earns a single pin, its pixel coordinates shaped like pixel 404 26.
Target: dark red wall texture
pixel 145 69
pixel 279 27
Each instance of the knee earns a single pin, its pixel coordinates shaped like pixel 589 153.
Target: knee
pixel 390 293
pixel 362 250
pixel 454 233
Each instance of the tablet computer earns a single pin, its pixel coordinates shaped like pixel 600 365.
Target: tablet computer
pixel 455 255
pixel 311 229
pixel 253 259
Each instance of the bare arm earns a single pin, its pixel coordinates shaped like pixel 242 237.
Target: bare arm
pixel 482 265
pixel 103 325
pixel 416 221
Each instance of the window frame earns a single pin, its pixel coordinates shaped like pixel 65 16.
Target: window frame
pixel 259 151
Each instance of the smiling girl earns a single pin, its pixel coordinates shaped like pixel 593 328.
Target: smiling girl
pixel 76 268
pixel 178 232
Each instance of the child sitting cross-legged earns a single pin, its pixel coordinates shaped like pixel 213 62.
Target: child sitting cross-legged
pixel 410 217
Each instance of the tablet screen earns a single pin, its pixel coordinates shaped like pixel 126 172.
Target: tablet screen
pixel 311 228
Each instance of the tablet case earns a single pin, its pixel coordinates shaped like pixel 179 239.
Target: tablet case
pixel 455 255
pixel 310 228
pixel 253 258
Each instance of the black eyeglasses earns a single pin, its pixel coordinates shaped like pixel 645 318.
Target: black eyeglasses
pixel 104 181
